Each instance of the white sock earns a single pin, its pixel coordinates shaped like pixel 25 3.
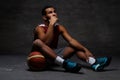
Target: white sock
pixel 91 60
pixel 59 60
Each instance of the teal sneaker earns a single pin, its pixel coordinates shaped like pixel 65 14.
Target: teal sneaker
pixel 101 63
pixel 71 66
pixel 104 61
pixel 96 67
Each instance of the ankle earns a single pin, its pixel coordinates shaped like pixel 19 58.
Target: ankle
pixel 59 60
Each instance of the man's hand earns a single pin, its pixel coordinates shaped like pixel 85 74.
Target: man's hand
pixel 53 20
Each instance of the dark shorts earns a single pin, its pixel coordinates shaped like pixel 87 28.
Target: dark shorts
pixel 59 51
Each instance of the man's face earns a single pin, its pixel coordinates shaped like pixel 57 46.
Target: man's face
pixel 50 12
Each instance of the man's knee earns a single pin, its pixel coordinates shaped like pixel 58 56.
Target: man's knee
pixel 37 42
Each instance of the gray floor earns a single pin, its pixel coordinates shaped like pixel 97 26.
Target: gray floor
pixel 13 67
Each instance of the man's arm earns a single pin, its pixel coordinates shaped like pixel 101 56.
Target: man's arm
pixel 45 37
pixel 74 43
pixel 48 36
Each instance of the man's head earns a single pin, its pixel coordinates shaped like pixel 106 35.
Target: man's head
pixel 48 12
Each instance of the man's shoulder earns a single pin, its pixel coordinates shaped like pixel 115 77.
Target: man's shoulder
pixel 41 25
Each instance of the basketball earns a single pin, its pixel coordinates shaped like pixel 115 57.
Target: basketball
pixel 36 61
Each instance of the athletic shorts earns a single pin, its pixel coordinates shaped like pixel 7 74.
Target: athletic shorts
pixel 59 51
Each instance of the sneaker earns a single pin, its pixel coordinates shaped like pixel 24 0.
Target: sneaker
pixel 96 67
pixel 71 66
pixel 105 61
pixel 101 63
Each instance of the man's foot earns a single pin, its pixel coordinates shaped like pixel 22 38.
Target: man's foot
pixel 101 63
pixel 71 66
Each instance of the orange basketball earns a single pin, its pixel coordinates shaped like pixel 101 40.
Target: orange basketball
pixel 36 61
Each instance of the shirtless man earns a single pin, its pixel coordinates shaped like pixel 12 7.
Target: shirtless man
pixel 46 41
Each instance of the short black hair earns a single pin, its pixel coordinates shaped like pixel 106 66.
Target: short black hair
pixel 43 10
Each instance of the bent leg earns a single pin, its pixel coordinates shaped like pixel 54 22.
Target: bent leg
pixel 68 65
pixel 39 45
pixel 69 51
pixel 81 55
pixel 97 64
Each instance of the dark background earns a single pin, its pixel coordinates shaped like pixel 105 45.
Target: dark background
pixel 95 23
